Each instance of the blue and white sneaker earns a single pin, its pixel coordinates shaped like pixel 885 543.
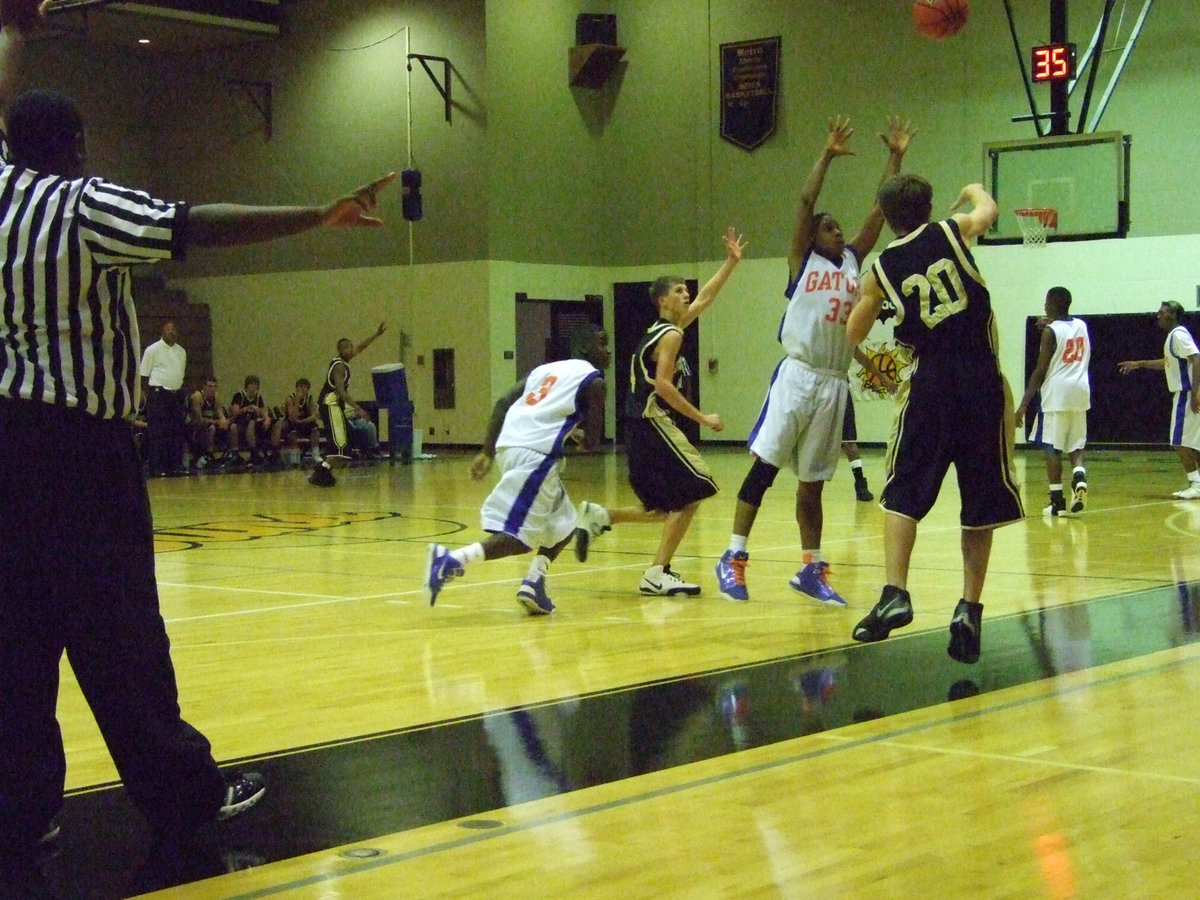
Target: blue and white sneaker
pixel 532 595
pixel 440 567
pixel 593 522
pixel 813 581
pixel 731 575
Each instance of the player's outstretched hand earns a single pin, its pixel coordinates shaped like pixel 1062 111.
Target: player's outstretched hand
pixel 734 243
pixel 840 132
pixel 352 211
pixel 899 133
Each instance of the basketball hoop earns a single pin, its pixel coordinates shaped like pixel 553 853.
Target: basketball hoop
pixel 1035 223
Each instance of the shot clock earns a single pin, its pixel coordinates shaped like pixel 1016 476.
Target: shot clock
pixel 1052 63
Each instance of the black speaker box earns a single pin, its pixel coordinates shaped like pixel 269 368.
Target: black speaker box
pixel 596 28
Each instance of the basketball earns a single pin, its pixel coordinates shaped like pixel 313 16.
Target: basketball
pixel 940 18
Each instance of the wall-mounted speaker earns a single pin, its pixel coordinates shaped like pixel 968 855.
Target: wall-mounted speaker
pixel 596 28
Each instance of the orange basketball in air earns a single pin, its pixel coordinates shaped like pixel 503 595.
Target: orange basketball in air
pixel 940 18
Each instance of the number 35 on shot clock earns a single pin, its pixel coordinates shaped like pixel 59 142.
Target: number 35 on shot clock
pixel 1053 62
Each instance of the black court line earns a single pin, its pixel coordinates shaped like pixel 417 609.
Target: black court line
pixel 363 788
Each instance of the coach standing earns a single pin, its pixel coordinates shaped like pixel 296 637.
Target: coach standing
pixel 162 370
pixel 78 561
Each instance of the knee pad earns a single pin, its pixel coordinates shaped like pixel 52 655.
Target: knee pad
pixel 760 477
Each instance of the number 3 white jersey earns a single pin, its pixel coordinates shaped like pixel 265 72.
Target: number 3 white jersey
pixel 550 407
pixel 813 329
pixel 1065 388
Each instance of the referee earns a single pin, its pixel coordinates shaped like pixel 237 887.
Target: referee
pixel 78 563
pixel 163 366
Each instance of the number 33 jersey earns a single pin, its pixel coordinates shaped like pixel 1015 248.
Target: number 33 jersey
pixel 549 408
pixel 813 329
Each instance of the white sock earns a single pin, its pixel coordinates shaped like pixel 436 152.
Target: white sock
pixel 737 543
pixel 472 553
pixel 810 556
pixel 539 567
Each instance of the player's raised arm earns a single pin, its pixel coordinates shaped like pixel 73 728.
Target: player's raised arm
pixel 982 214
pixel 897 137
pixel 17 18
pixel 734 245
pixel 836 144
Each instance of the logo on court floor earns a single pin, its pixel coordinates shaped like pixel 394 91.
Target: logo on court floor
pixel 253 528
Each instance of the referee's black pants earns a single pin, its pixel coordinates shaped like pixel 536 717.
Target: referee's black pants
pixel 77 575
pixel 166 414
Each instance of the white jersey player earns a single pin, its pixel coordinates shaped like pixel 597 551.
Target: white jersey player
pixel 1181 363
pixel 1061 374
pixel 526 434
pixel 800 424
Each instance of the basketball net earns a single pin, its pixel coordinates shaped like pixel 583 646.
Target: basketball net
pixel 1035 224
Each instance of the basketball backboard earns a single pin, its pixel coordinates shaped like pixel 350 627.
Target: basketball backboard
pixel 1085 177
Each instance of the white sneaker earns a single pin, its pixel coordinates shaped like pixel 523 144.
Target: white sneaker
pixel 660 581
pixel 1192 493
pixel 1078 497
pixel 593 522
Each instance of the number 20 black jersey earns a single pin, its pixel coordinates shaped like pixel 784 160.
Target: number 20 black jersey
pixel 943 308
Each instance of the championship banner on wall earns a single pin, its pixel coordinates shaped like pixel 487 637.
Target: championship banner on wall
pixel 749 85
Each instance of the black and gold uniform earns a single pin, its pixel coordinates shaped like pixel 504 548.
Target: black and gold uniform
pixel 952 409
pixel 333 410
pixel 666 472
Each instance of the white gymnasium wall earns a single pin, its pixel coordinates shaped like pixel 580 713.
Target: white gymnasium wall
pixel 471 307
pixel 284 325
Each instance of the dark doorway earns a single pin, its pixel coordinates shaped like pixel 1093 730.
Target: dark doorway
pixel 544 329
pixel 1126 409
pixel 633 313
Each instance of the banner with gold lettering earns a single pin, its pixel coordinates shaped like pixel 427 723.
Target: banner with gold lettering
pixel 749 84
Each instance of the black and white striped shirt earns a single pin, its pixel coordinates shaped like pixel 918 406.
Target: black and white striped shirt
pixel 68 327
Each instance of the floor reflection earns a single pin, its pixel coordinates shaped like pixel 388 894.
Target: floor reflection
pixel 331 795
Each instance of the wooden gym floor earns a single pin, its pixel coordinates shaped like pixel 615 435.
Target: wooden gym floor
pixel 647 747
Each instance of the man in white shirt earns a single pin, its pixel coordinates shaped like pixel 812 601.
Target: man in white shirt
pixel 1180 362
pixel 162 369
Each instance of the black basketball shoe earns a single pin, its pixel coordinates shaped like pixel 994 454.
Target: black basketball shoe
pixel 894 610
pixel 966 630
